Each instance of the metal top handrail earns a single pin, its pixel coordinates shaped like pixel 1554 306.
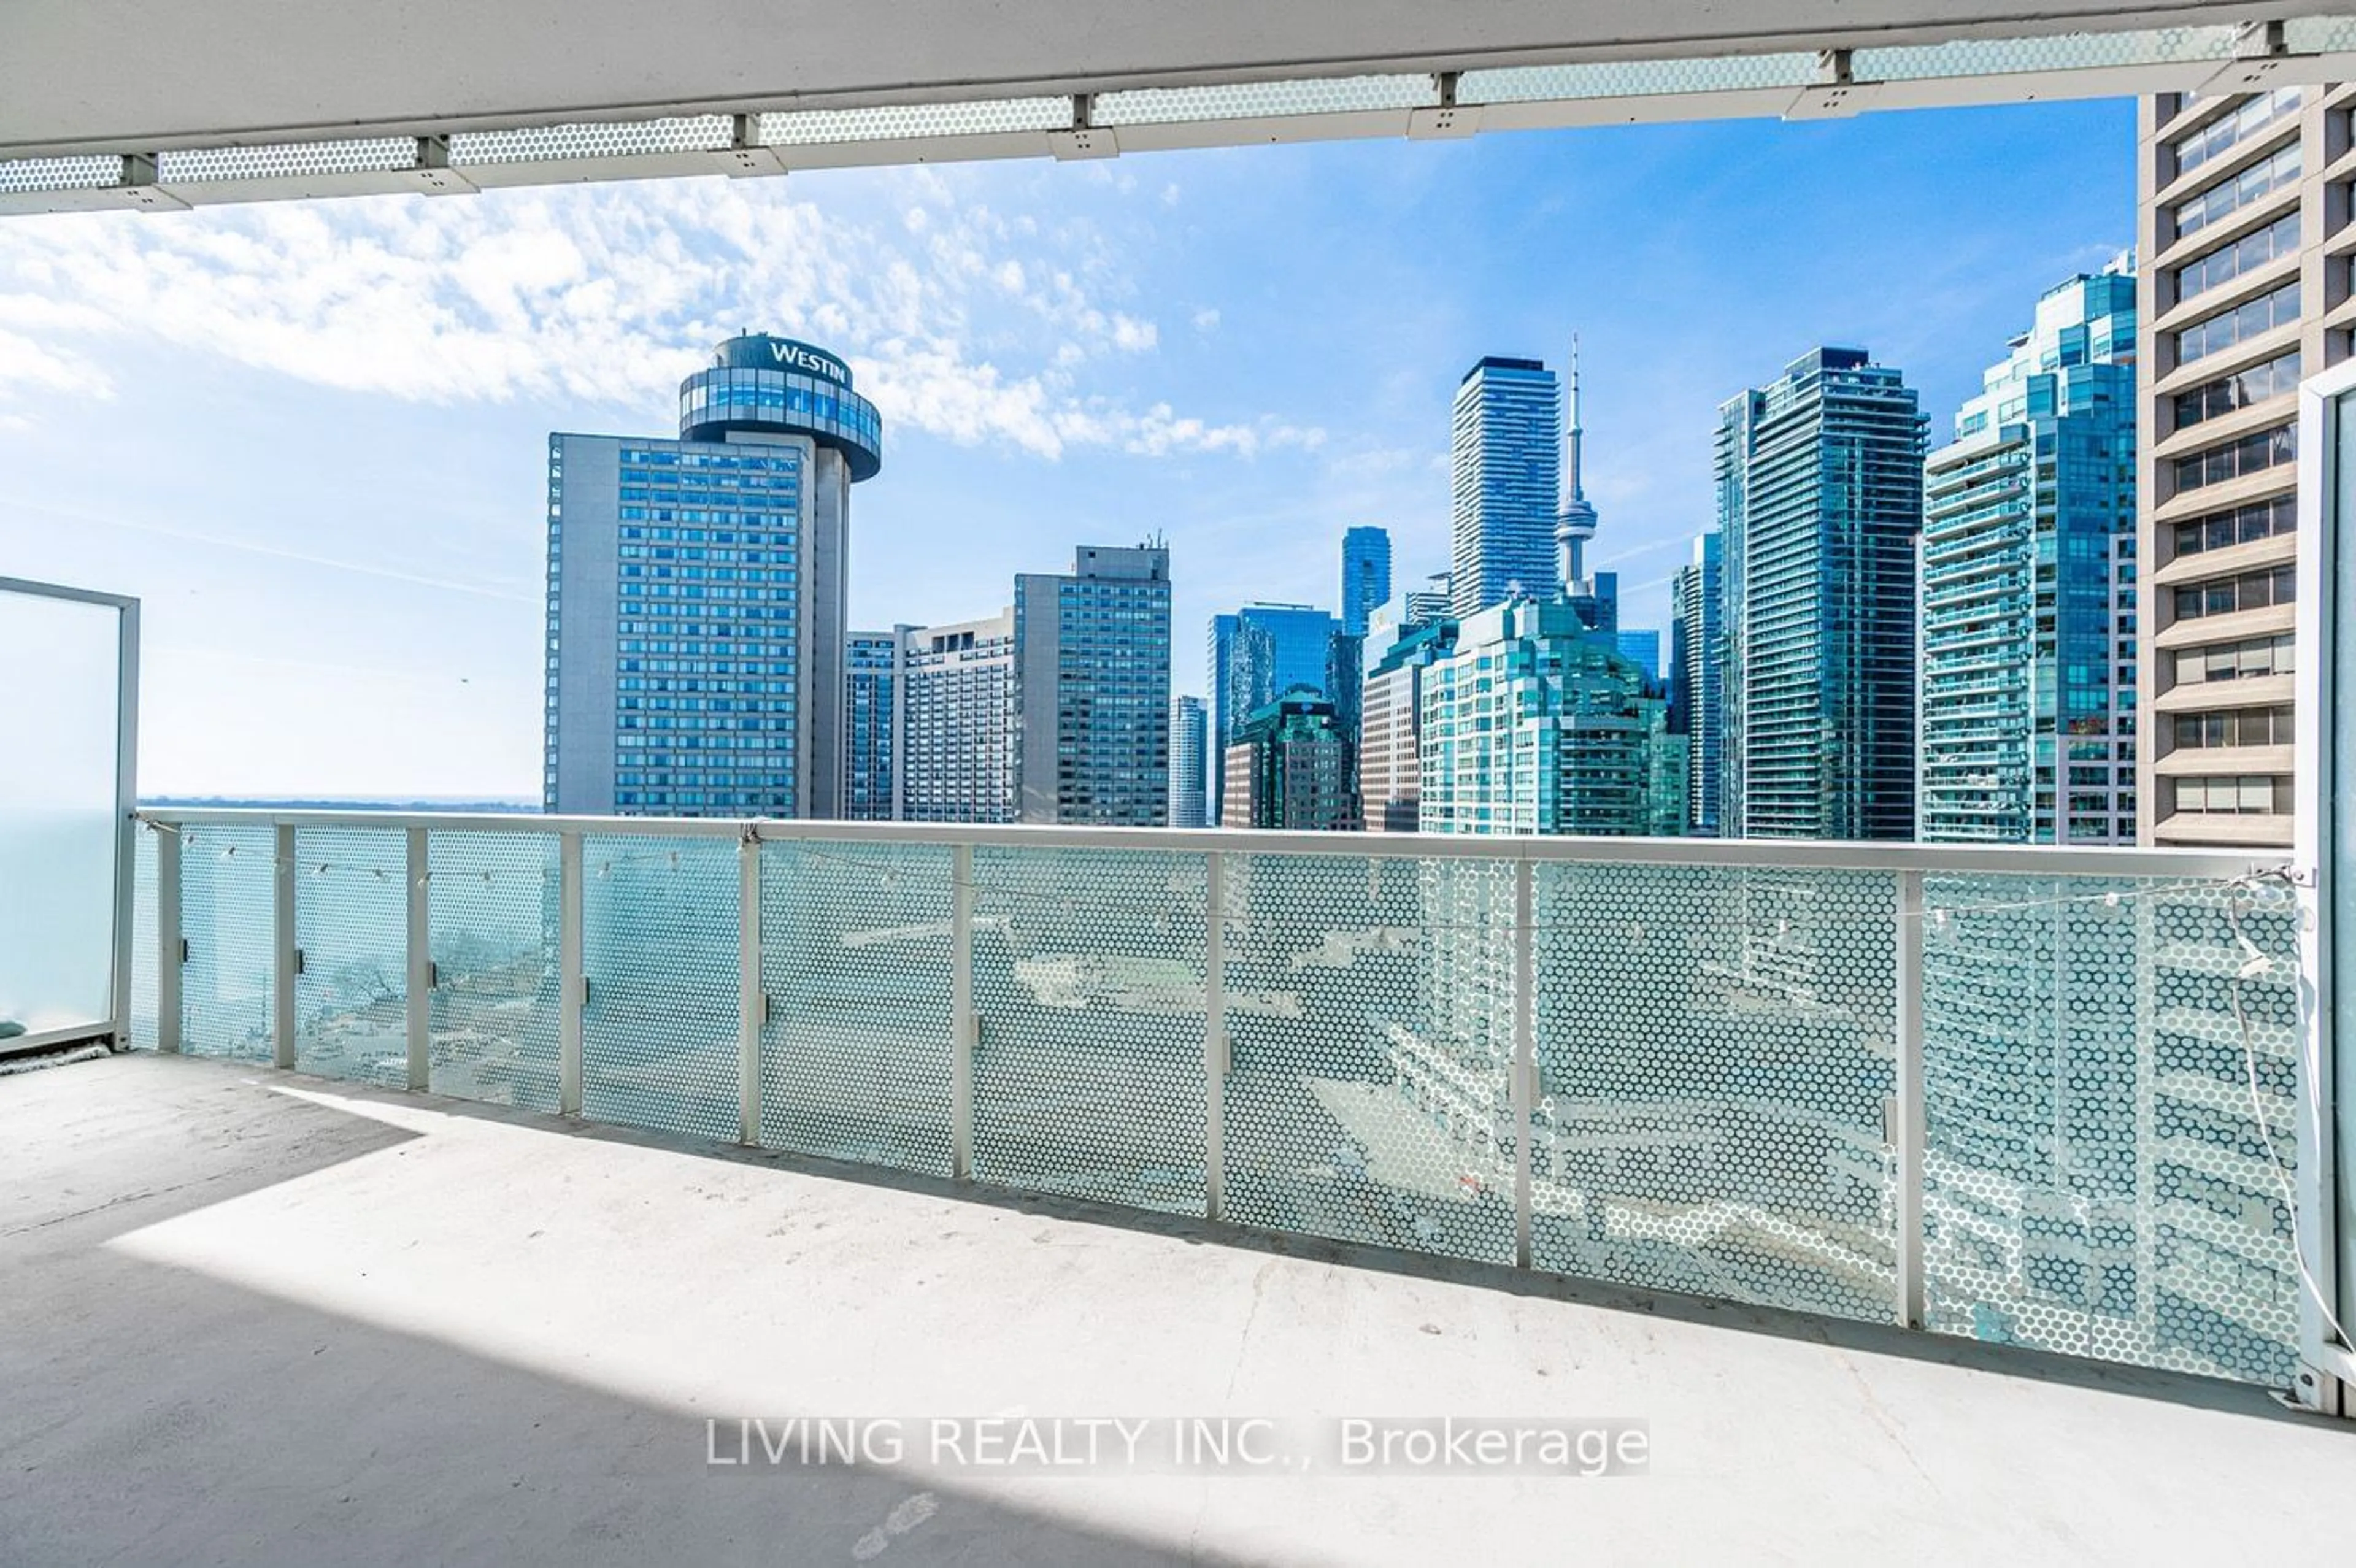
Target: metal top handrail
pixel 1954 859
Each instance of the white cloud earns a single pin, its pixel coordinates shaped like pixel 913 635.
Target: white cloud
pixel 1208 319
pixel 25 364
pixel 610 294
pixel 1161 432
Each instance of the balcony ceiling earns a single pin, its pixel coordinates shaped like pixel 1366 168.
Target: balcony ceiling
pixel 96 75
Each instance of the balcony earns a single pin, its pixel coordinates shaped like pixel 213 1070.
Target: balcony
pixel 468 1177
pixel 1683 1067
pixel 1940 1154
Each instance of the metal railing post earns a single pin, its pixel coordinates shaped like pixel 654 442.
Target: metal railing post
pixel 750 998
pixel 1906 1122
pixel 1215 1034
pixel 965 1028
pixel 421 962
pixel 171 949
pixel 571 980
pixel 1526 1049
pixel 126 812
pixel 284 956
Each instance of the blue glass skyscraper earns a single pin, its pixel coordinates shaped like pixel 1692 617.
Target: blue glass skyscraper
pixel 1644 648
pixel 1256 655
pixel 2029 586
pixel 1820 500
pixel 870 727
pixel 1505 436
pixel 1366 576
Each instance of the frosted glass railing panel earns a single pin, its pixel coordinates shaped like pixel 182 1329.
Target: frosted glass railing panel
pixel 144 992
pixel 492 918
pixel 660 940
pixel 1089 984
pixel 855 957
pixel 57 813
pixel 1370 1015
pixel 2108 1158
pixel 228 897
pixel 351 929
pixel 1716 1047
pixel 2110 1074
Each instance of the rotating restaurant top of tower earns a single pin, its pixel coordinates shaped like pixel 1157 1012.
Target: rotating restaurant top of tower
pixel 778 386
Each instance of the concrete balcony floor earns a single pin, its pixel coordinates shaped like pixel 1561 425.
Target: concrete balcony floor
pixel 254 1317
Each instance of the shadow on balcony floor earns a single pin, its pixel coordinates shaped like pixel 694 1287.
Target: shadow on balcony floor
pixel 255 1317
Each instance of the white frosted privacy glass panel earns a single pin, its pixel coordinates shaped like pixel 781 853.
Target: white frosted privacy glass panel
pixel 60 684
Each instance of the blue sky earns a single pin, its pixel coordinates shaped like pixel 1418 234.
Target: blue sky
pixel 311 437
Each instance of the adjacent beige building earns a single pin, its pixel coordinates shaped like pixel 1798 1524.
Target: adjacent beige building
pixel 2244 213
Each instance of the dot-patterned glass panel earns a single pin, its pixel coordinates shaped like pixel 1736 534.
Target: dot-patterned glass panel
pixel 617 139
pixel 492 915
pixel 2320 34
pixel 20 176
pixel 351 927
pixel 1635 78
pixel 1716 1051
pixel 1370 1022
pixel 855 958
pixel 2061 51
pixel 1264 99
pixel 141 1025
pixel 660 946
pixel 286 160
pixel 1088 982
pixel 892 122
pixel 2107 1164
pixel 227 895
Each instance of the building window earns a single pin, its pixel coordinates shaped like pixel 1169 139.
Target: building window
pixel 2248 660
pixel 2230 260
pixel 2212 335
pixel 2250 590
pixel 2252 454
pixel 2233 129
pixel 2236 191
pixel 2248 794
pixel 2235 726
pixel 2243 525
pixel 2275 379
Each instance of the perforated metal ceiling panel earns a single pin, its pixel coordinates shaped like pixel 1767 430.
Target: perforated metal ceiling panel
pixel 102 74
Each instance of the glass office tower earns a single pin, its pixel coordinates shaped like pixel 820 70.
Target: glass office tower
pixel 696 622
pixel 1366 576
pixel 2028 587
pixel 1505 431
pixel 1257 654
pixel 870 727
pixel 1533 722
pixel 1190 743
pixel 1819 478
pixel 1643 647
pixel 1697 677
pixel 1291 766
pixel 1092 674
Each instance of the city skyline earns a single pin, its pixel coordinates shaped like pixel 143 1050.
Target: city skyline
pixel 1091 390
